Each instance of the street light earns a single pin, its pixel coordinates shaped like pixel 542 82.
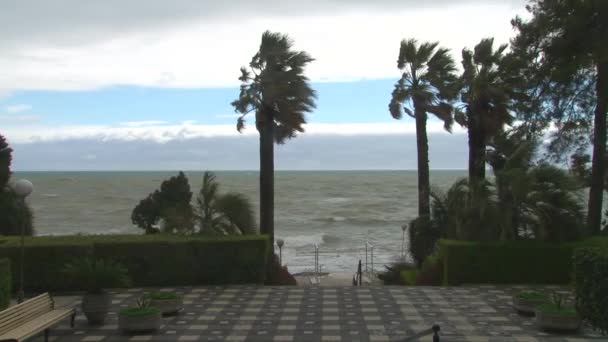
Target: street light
pixel 403 229
pixel 280 243
pixel 22 189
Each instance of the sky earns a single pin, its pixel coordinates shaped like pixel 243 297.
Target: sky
pixel 147 84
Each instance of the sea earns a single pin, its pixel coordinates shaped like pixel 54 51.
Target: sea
pixel 335 217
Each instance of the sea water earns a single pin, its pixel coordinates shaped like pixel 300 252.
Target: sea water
pixel 338 211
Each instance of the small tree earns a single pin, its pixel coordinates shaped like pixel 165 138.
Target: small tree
pixel 5 162
pixel 171 205
pixel 13 212
pixel 146 214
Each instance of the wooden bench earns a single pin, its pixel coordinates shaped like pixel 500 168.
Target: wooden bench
pixel 35 315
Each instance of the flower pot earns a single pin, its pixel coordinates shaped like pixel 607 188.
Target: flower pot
pixel 139 323
pixel 167 306
pixel 527 305
pixel 95 307
pixel 562 321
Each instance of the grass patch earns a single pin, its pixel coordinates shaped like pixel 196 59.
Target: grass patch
pixel 532 295
pixel 552 308
pixel 138 312
pixel 163 296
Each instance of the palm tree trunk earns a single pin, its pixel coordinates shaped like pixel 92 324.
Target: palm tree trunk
pixel 598 167
pixel 267 178
pixel 477 151
pixel 422 144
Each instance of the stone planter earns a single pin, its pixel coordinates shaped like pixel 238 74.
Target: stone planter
pixel 95 307
pixel 167 306
pixel 559 321
pixel 527 306
pixel 139 323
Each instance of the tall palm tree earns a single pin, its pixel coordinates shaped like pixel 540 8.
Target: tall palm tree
pixel 275 88
pixel 486 101
pixel 428 84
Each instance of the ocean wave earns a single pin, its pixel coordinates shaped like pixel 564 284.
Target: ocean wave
pixel 50 195
pixel 337 200
pixel 360 221
pixel 310 240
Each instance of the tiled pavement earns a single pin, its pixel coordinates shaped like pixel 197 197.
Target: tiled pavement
pixel 252 313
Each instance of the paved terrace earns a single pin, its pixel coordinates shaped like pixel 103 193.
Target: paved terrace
pixel 255 313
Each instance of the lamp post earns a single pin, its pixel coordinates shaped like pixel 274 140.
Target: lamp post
pixel 22 189
pixel 403 229
pixel 280 243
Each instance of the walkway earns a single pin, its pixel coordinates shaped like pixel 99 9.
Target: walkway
pixel 250 313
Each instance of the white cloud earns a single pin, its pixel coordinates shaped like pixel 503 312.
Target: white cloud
pixel 165 133
pixel 19 119
pixel 143 123
pixel 208 51
pixel 18 108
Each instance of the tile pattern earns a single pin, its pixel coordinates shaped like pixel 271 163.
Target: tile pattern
pixel 252 313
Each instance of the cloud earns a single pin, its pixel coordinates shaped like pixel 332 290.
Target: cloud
pixel 19 119
pixel 18 108
pixel 229 153
pixel 203 43
pixel 164 133
pixel 143 123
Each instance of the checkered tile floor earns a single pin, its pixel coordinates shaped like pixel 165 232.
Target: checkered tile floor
pixel 253 313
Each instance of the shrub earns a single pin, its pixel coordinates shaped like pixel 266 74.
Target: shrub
pixel 5 283
pixel 506 262
pixel 152 260
pixel 591 284
pixel 97 275
pixel 423 239
pixel 393 273
pixel 431 272
pixel 280 275
pixel 44 262
pixel 408 277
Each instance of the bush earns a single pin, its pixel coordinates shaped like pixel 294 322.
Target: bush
pixel 431 272
pixel 393 275
pixel 152 260
pixel 508 262
pixel 96 275
pixel 5 283
pixel 279 275
pixel 423 239
pixel 591 284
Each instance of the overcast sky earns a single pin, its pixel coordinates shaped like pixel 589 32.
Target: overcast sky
pixel 146 84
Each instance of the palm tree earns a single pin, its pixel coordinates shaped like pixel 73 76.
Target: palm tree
pixel 486 101
pixel 275 88
pixel 428 85
pixel 230 213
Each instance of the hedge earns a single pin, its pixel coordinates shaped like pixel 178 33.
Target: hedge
pixel 509 262
pixel 152 260
pixel 591 283
pixel 5 283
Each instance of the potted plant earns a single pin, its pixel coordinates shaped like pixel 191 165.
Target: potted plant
pixel 168 302
pixel 527 301
pixel 140 318
pixel 95 276
pixel 555 316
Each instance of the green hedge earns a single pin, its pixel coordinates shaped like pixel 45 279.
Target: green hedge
pixel 508 262
pixel 5 283
pixel 152 260
pixel 591 283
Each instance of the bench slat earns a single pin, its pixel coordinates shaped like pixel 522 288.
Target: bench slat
pixel 33 301
pixel 39 324
pixel 23 314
